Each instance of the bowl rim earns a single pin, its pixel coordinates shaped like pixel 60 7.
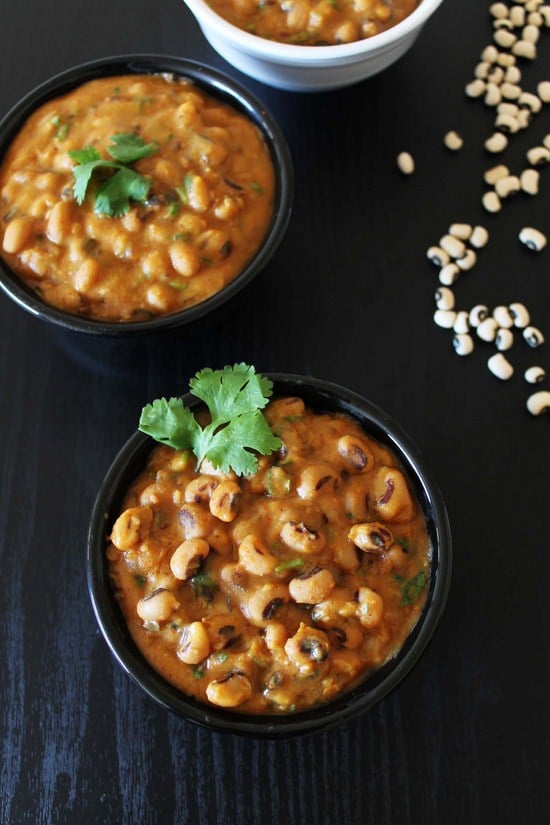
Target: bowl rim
pixel 344 707
pixel 213 82
pixel 312 56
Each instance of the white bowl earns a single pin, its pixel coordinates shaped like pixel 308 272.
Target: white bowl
pixel 309 68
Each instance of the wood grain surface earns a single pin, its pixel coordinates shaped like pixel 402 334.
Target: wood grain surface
pixel 349 297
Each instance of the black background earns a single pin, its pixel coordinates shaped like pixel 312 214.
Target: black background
pixel 348 298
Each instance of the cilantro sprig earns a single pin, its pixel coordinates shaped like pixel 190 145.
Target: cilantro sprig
pixel 113 195
pixel 235 397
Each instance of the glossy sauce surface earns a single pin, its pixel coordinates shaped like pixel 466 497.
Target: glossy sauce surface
pixel 276 592
pixel 314 22
pixel 207 211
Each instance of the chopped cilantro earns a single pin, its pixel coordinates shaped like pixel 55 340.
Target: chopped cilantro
pixel 258 188
pixel 221 658
pixel 235 397
pixel 140 580
pixel 198 672
pixel 412 588
pixel 174 209
pixel 286 565
pixel 61 128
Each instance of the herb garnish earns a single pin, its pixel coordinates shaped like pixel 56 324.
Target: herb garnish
pixel 113 196
pixel 198 672
pixel 235 397
pixel 286 565
pixel 411 588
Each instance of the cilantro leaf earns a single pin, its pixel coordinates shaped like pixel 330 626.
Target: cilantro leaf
pixel 113 197
pixel 127 148
pixel 227 447
pixel 232 391
pixel 412 589
pixel 169 422
pixel 238 429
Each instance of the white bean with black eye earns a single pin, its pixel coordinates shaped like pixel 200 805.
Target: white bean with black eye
pixel 533 336
pixel 479 237
pixel 487 330
pixel 534 375
pixel 449 274
pixel 444 298
pixel 504 339
pixel 532 238
pixel 445 318
pixel 463 344
pixel 500 367
pixel 503 317
pixel 539 402
pixel 478 314
pixel 520 314
pixel 437 256
pixel 461 324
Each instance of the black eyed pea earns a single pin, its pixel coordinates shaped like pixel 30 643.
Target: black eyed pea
pixel 131 527
pixel 495 173
pixel 86 275
pixel 487 329
pixel 500 367
pixel 510 185
pixel 370 607
pixel 463 344
pixel 18 232
pixel 312 587
pixel 371 537
pixel 539 402
pixel 405 162
pixel 185 259
pixel 533 336
pixel 503 317
pixel 275 636
pixel 187 557
pixel 255 557
pixel 449 274
pixel 200 489
pixel 58 225
pixel 215 245
pixel 445 318
pixel 461 325
pixel 229 692
pixel 534 375
pixel 194 645
pixel 349 634
pixel 538 156
pixel 392 499
pixel 444 298
pixel 438 256
pixel 504 339
pixel 460 230
pixel 497 142
pixel 356 453
pixel 491 201
pixel 198 195
pixel 196 521
pixel 478 314
pixel 159 297
pixel 520 314
pixel 308 648
pixel 316 480
pixel 224 501
pixel 157 606
pixel 476 88
pixel 261 605
pixel 532 238
pixel 298 537
pixel 220 541
pixel 453 246
pixel 453 141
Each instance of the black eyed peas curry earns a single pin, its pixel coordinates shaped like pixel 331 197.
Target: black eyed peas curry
pixel 276 591
pixel 133 197
pixel 314 22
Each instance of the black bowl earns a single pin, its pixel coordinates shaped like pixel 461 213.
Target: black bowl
pixel 318 395
pixel 216 85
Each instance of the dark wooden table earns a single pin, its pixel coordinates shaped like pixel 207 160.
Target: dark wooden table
pixel 349 298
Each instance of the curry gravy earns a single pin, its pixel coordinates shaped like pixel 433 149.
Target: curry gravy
pixel 208 209
pixel 276 592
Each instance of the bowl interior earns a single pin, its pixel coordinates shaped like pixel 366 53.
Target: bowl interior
pixel 130 461
pixel 216 85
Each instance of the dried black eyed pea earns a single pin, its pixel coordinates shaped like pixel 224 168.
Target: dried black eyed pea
pixel 533 336
pixel 224 501
pixel 312 587
pixel 356 452
pixel 438 256
pixel 532 238
pixel 186 558
pixel 520 314
pixel 405 163
pixel 463 344
pixel 449 274
pixel 372 537
pixel 298 537
pixel 131 527
pixel 444 298
pixel 500 367
pixel 539 402
pixel 157 606
pixel 308 648
pixel 194 644
pixel 534 375
pixel 478 314
pixel 255 557
pixel 504 339
pixel 229 692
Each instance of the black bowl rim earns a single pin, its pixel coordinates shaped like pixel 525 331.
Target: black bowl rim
pixel 321 395
pixel 212 82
